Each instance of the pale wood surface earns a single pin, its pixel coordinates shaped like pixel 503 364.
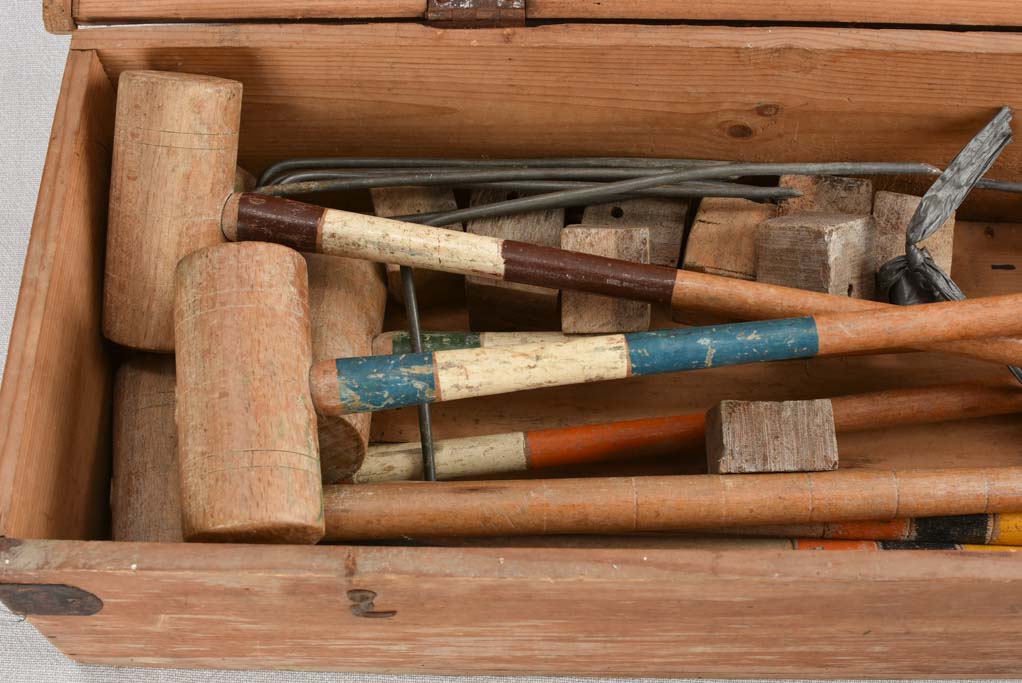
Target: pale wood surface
pixel 495 305
pixel 246 424
pixel 974 12
pixel 513 610
pixel 431 286
pixel 830 253
pixel 892 213
pixel 346 302
pixel 175 146
pixel 55 400
pixel 665 219
pixel 596 89
pixel 584 313
pixel 722 240
pixel 115 11
pixel 771 436
pixel 145 490
pixel 827 194
pixel 470 456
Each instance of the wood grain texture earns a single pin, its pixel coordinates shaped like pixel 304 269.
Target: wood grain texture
pixel 55 400
pixel 495 305
pixel 940 12
pixel 819 252
pixel 175 146
pixel 759 94
pixel 57 16
pixel 620 505
pixel 346 302
pixel 246 426
pixel 827 194
pixel 665 219
pixel 145 490
pixel 114 11
pixel 722 241
pixel 431 286
pixel 279 607
pixel 584 313
pixel 771 436
pixel 892 213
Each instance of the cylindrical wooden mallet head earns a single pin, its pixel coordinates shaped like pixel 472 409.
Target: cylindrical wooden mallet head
pixel 347 298
pixel 175 147
pixel 145 496
pixel 249 455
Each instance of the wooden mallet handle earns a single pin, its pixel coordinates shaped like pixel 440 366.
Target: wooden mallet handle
pixel 672 503
pixel 310 228
pixel 352 385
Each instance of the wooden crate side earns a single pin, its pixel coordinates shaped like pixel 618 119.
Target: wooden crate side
pixel 57 16
pixel 635 612
pixel 757 94
pixel 55 399
pixel 907 12
pixel 117 11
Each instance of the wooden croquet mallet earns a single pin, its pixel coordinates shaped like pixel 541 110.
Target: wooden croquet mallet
pixel 247 399
pixel 675 435
pixel 173 166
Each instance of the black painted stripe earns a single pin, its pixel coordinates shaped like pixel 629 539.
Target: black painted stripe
pixel 262 218
pixel 956 529
pixel 916 545
pixel 560 269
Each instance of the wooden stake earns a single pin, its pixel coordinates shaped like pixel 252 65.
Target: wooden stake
pixel 145 491
pixel 373 383
pixel 583 313
pixel 498 305
pixel 246 427
pixel 340 233
pixel 175 147
pixel 723 237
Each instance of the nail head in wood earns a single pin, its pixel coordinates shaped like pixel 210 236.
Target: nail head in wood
pixel 744 437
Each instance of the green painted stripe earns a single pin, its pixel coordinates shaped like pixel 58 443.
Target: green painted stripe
pixel 437 341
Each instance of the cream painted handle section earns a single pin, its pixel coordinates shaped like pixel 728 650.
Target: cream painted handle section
pixel 466 373
pixel 388 241
pixel 466 457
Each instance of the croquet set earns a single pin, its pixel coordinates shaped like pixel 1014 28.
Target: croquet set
pixel 510 338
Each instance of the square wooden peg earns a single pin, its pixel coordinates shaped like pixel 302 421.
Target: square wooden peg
pixel 665 219
pixel 831 253
pixel 745 437
pixel 892 212
pixel 827 194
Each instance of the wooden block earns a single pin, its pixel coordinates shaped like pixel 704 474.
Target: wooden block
pixel 771 436
pixel 494 305
pixel 665 219
pixel 830 253
pixel 591 313
pixel 892 212
pixel 828 194
pixel 722 240
pixel 431 287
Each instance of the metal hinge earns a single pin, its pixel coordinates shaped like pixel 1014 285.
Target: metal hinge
pixel 476 13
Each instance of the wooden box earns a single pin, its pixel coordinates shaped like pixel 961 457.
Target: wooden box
pixel 381 77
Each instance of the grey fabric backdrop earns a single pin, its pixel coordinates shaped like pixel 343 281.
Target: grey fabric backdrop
pixel 31 63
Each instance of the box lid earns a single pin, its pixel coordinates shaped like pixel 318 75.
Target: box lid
pixel 63 16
